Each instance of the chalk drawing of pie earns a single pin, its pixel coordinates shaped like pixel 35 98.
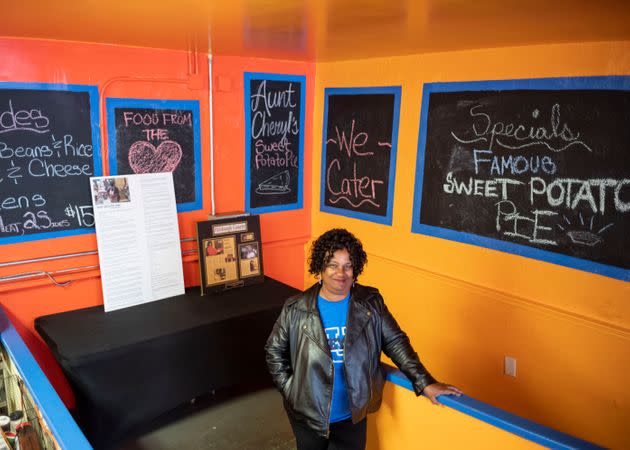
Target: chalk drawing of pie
pixel 278 184
pixel 584 238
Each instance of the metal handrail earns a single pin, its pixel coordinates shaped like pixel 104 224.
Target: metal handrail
pixel 52 274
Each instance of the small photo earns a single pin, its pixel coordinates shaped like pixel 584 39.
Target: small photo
pixel 249 261
pixel 249 251
pixel 107 191
pixel 214 247
pixel 247 237
pixel 219 263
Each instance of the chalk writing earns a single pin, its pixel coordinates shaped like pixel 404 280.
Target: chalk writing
pixel 353 142
pixel 275 154
pixel 154 136
pixel 530 135
pixel 358 150
pixel 29 119
pixel 30 216
pixel 263 104
pixel 543 168
pixel 274 116
pixel 278 98
pixel 47 155
pixel 83 214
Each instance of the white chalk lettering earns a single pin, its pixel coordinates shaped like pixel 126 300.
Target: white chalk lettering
pixel 23 120
pixel 273 99
pixel 475 186
pixel 521 226
pixel 42 168
pixel 491 132
pixel 261 127
pixel 22 202
pixel 7 152
pixel 572 192
pixel 514 164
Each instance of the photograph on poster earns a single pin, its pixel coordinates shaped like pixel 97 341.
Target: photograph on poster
pixel 220 260
pixel 248 237
pixel 249 259
pixel 110 190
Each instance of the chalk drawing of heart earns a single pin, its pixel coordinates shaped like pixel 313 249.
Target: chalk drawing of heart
pixel 145 158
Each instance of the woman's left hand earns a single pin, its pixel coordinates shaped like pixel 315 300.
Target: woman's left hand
pixel 433 390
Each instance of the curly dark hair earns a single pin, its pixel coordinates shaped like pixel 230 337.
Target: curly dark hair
pixel 328 243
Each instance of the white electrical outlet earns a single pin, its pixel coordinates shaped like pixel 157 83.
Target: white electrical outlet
pixel 509 366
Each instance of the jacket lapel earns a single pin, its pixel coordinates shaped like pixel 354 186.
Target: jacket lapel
pixel 315 328
pixel 358 314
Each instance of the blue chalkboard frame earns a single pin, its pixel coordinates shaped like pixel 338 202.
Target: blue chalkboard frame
pixel 192 105
pixel 565 83
pixel 92 92
pixel 384 220
pixel 248 77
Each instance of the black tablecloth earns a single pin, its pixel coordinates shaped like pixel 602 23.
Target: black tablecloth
pixel 129 366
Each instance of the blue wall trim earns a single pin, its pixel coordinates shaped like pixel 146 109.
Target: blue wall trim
pixel 532 431
pixel 387 219
pixel 97 162
pixel 248 76
pixel 191 105
pixel 59 421
pixel 571 83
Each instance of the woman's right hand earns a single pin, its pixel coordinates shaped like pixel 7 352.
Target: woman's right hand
pixel 433 390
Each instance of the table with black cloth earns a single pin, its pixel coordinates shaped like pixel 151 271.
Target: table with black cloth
pixel 127 367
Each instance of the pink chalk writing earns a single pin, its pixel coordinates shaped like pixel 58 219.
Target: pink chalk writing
pixel 351 143
pixel 358 187
pixel 159 134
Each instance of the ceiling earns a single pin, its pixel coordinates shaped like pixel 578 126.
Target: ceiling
pixel 319 30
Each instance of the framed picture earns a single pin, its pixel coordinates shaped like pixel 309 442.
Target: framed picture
pixel 230 252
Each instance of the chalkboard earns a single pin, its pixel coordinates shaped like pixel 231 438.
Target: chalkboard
pixel 150 136
pixel 274 141
pixel 49 147
pixel 539 168
pixel 359 152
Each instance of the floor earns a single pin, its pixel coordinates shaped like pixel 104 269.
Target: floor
pixel 231 419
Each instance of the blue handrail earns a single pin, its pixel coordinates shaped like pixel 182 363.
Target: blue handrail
pixel 532 431
pixel 54 412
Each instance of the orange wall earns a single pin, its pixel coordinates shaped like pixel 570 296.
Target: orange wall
pixel 466 307
pixel 147 73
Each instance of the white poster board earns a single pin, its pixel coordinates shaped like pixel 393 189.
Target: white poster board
pixel 138 238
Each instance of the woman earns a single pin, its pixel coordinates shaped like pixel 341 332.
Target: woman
pixel 324 350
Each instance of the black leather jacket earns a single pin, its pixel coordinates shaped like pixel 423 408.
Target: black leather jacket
pixel 301 366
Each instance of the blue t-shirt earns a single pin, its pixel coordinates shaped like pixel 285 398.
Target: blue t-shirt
pixel 334 316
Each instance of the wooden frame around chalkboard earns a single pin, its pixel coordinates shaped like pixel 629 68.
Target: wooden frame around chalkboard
pixel 251 76
pixel 93 95
pixel 185 105
pixel 396 91
pixel 602 83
